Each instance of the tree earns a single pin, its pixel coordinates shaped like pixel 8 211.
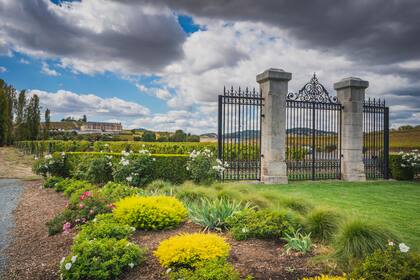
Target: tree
pixel 84 119
pixel 149 136
pixel 47 124
pixel 179 136
pixel 20 124
pixel 33 117
pixel 4 111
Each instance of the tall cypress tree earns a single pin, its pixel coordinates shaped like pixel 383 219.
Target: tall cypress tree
pixel 4 114
pixel 47 124
pixel 11 96
pixel 33 118
pixel 20 123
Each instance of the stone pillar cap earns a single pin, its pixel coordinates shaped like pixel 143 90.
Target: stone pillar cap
pixel 351 82
pixel 274 74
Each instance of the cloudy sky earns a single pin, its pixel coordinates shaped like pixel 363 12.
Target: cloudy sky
pixel 161 64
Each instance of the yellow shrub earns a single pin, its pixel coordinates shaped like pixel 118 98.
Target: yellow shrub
pixel 326 277
pixel 187 250
pixel 150 212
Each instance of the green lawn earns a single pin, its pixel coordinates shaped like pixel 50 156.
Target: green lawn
pixel 390 203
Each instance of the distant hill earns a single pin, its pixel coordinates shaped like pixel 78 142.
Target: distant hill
pixel 209 135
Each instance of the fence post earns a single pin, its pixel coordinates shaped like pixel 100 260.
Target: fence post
pixel 351 95
pixel 274 89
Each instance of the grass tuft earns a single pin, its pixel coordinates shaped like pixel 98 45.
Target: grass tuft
pixel 322 224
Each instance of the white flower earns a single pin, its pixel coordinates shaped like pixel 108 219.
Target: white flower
pixel 391 243
pixel 403 248
pixel 188 168
pixel 36 158
pixel 73 259
pixel 131 265
pixel 63 154
pixel 62 260
pixel 129 179
pixel 125 162
pixel 154 159
pixel 68 266
pixel 133 228
pixel 49 156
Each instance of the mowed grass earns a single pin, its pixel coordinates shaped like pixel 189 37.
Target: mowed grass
pixel 393 204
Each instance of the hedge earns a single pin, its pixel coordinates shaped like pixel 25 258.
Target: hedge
pixel 51 146
pixel 170 167
pixel 153 147
pixel 398 172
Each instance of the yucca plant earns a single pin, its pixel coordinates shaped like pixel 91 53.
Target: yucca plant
pixel 212 213
pixel 298 242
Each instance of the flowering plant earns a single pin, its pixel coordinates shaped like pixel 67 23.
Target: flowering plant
pixel 134 169
pixel 52 165
pixel 410 159
pixel 205 167
pixel 100 169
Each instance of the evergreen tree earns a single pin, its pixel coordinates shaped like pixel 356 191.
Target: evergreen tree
pixel 47 124
pixel 84 119
pixel 33 118
pixel 4 111
pixel 20 129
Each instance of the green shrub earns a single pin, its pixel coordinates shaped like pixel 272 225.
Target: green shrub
pixel 39 148
pixel 388 264
pixel 134 169
pixel 154 147
pixel 114 191
pixel 298 242
pixel 150 213
pixel 56 224
pixel 51 182
pixel 212 213
pixel 322 224
pixel 74 185
pixel 399 172
pixel 210 270
pixel 62 184
pixel 356 239
pixel 159 184
pixel 189 250
pixel 100 170
pixel 204 167
pixel 101 259
pixel 52 165
pixel 260 224
pixel 104 226
pixel 74 199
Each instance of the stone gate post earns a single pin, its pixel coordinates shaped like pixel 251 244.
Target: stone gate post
pixel 274 89
pixel 351 95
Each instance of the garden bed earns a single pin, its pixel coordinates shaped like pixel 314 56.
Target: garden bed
pixel 35 255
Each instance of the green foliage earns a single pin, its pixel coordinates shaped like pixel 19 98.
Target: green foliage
pixel 104 226
pixel 297 204
pixel 322 224
pixel 212 213
pixel 210 270
pixel 101 259
pixel 150 213
pixel 298 242
pixel 388 264
pixel 260 224
pixel 56 224
pixel 51 182
pixel 39 148
pixel 100 170
pixel 52 165
pixel 204 167
pixel 72 186
pixel 135 170
pixel 154 147
pixel 357 239
pixel 159 184
pixel 296 152
pixel 114 191
pixel 398 170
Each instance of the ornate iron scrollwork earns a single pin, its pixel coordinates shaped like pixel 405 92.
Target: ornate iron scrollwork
pixel 313 91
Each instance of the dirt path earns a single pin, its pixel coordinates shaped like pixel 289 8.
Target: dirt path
pixel 14 164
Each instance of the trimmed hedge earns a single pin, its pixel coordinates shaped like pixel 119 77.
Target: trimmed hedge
pixel 51 146
pixel 169 167
pixel 153 147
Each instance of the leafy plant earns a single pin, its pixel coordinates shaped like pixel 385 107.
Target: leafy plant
pixel 189 250
pixel 100 170
pixel 51 182
pixel 150 213
pixel 389 264
pixel 114 191
pixel 322 224
pixel 298 242
pixel 204 167
pixel 210 270
pixel 326 277
pixel 260 224
pixel 104 226
pixel 357 239
pixel 134 170
pixel 212 213
pixel 101 259
pixel 56 224
pixel 52 165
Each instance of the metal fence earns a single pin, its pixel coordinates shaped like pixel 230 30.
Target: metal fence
pixel 239 133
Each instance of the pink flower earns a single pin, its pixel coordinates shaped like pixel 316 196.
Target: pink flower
pixel 66 228
pixel 91 212
pixel 111 206
pixel 81 206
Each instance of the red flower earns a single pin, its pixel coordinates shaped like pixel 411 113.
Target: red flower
pixel 111 206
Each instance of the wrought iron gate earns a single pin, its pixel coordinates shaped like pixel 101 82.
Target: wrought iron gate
pixel 375 139
pixel 313 123
pixel 239 133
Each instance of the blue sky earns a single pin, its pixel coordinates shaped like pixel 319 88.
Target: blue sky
pixel 161 64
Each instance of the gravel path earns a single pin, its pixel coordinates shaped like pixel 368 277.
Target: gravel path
pixel 10 191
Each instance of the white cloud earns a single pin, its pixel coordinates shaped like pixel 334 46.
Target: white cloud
pixel 161 93
pixel 2 69
pixel 24 61
pixel 63 103
pixel 48 71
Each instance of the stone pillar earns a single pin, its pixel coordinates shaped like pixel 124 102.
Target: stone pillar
pixel 274 89
pixel 351 94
